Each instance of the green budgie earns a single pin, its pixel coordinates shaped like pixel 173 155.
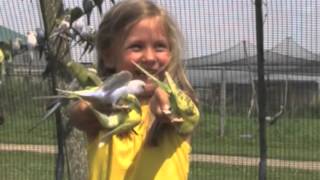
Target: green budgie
pixel 183 112
pixel 84 76
pixel 106 94
pixel 122 120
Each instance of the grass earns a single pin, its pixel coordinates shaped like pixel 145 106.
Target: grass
pixel 26 166
pixel 293 139
pixel 30 166
pixel 290 138
pixel 21 112
pixel 207 171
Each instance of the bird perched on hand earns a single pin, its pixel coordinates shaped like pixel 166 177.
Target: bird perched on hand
pixel 117 92
pixel 120 121
pixel 183 112
pixel 118 85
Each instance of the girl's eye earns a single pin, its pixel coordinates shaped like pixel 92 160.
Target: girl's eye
pixel 135 47
pixel 161 47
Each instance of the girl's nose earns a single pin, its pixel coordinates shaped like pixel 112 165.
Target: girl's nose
pixel 149 56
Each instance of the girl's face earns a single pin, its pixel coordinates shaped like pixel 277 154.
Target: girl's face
pixel 146 44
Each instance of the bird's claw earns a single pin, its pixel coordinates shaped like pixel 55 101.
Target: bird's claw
pixel 172 117
pixel 176 120
pixel 166 112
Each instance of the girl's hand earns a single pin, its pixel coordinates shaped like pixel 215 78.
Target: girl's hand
pixel 83 118
pixel 159 104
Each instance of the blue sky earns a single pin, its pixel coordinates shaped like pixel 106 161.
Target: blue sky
pixel 209 26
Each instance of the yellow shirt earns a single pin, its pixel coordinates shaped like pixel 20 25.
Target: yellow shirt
pixel 127 158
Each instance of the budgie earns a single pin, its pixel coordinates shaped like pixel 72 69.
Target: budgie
pixel 84 76
pixel 183 112
pixel 120 84
pixel 122 120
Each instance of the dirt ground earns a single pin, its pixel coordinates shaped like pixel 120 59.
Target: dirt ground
pixel 230 160
pixel 252 161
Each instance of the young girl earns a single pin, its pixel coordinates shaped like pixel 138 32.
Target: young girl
pixel 141 32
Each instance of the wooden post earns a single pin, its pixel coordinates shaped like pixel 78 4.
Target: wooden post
pixel 222 102
pixel 318 94
pixel 253 101
pixel 74 145
pixel 261 93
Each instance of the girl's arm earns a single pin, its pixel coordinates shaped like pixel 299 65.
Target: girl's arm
pixel 83 118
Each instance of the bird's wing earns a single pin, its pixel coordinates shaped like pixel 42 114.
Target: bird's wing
pixel 117 80
pixel 125 127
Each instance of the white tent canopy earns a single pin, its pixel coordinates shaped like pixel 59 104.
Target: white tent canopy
pixel 285 61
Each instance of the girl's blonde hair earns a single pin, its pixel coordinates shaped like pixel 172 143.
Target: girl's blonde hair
pixel 119 20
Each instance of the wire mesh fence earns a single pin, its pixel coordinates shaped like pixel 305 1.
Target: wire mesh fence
pixel 221 63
